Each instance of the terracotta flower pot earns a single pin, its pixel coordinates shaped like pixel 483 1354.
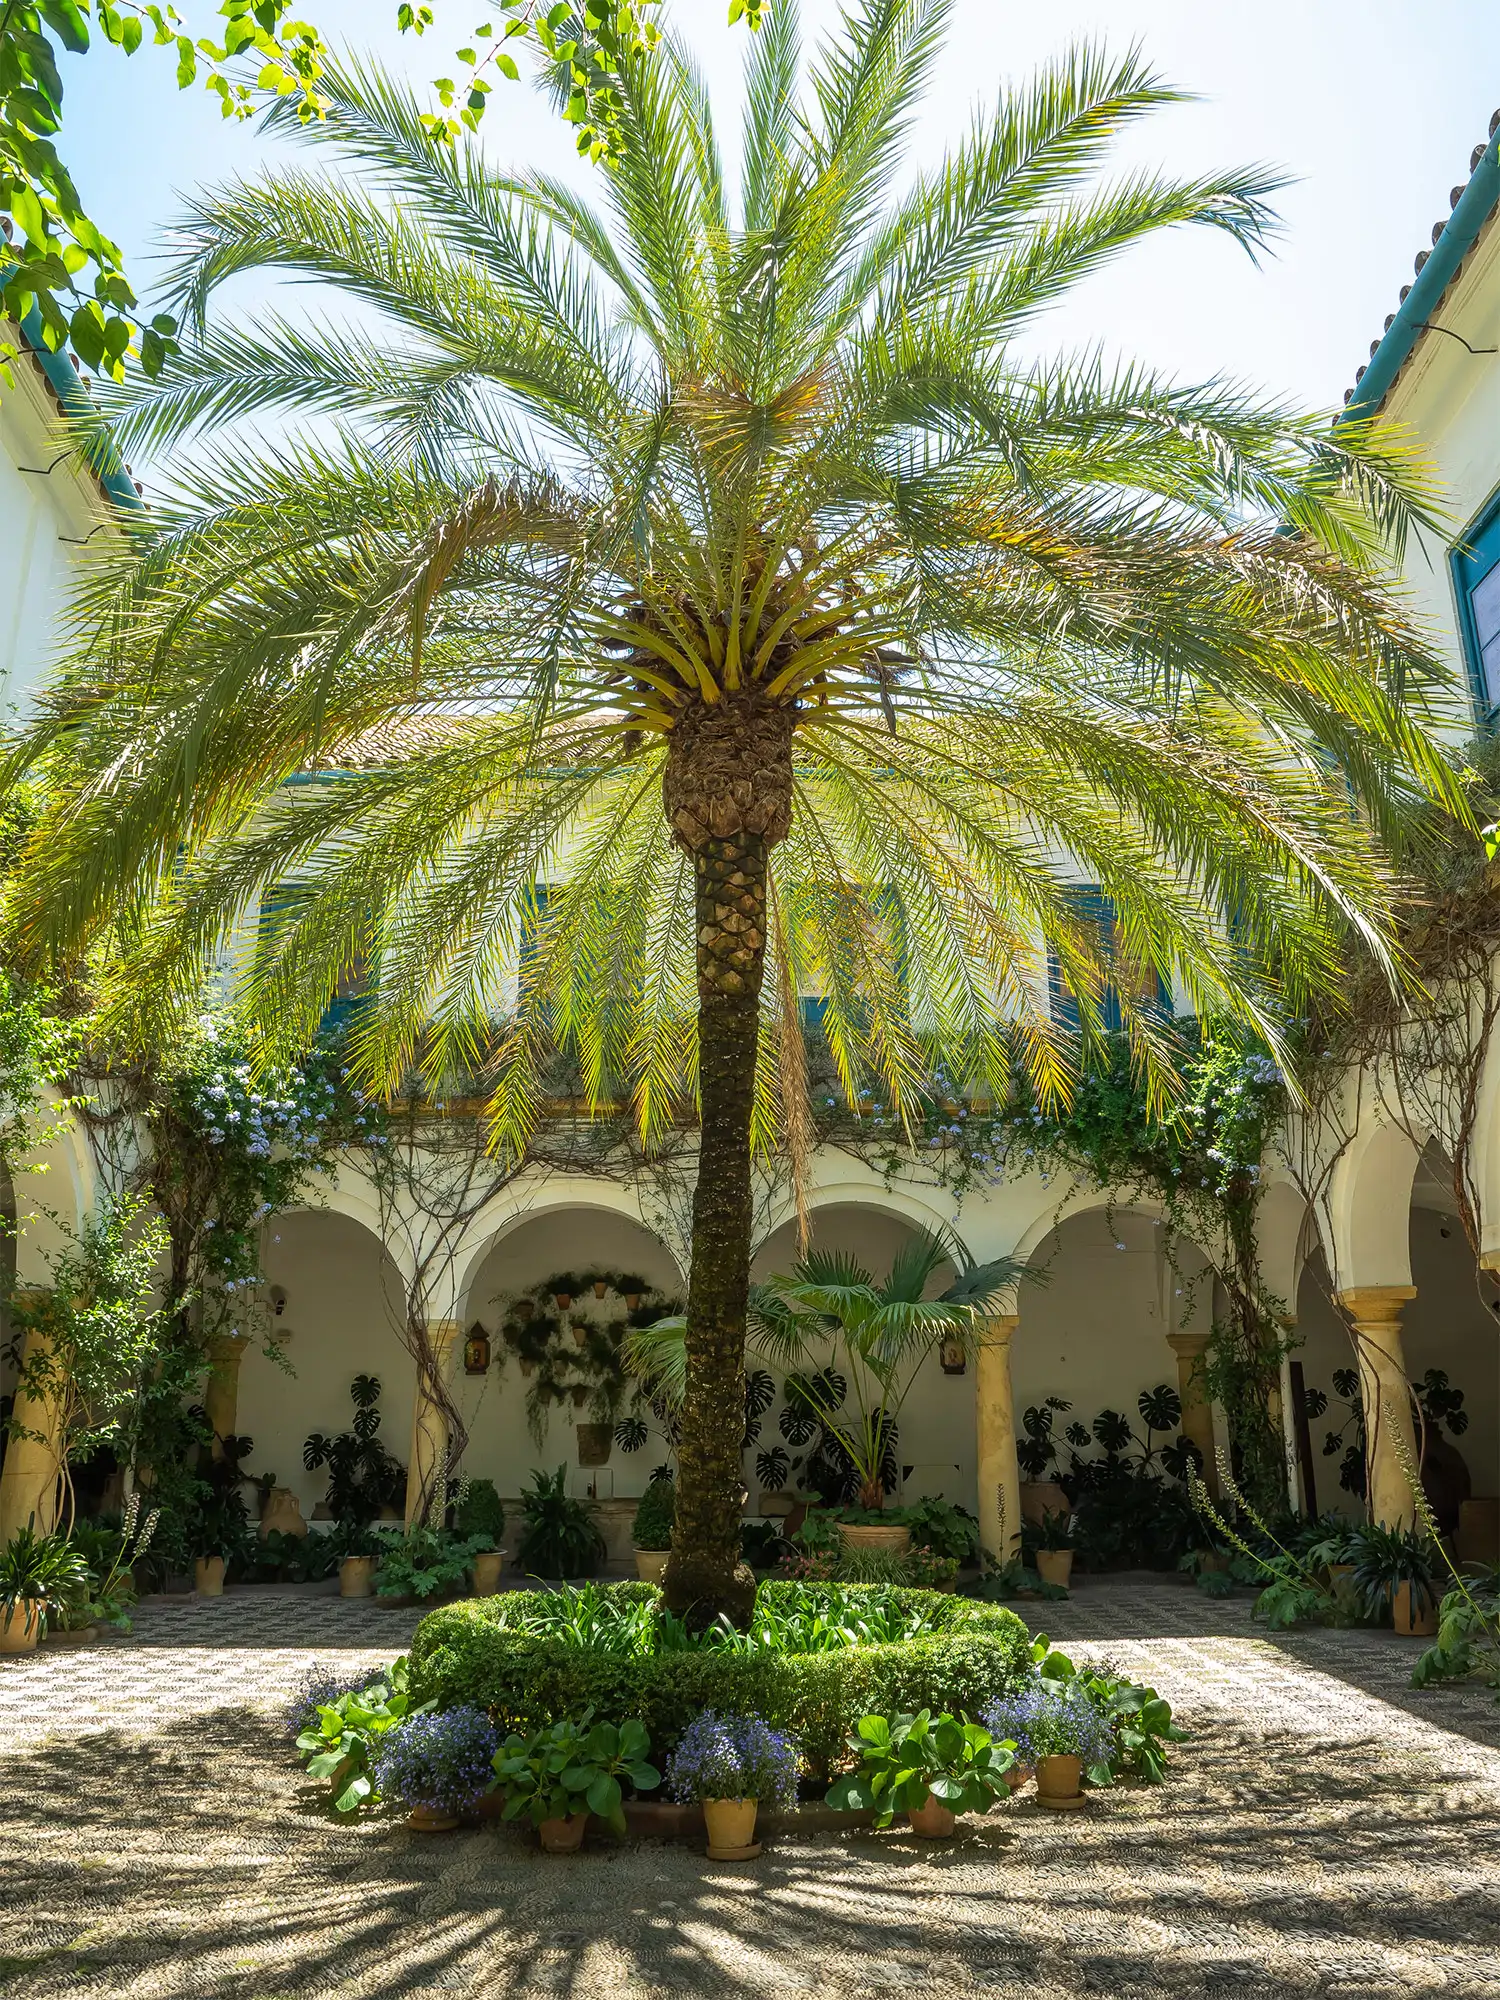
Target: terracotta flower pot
pixel 1055 1566
pixel 650 1564
pixel 731 1825
pixel 283 1513
pixel 562 1300
pixel 632 1300
pixel 1059 1782
pixel 357 1576
pixel 428 1819
pixel 1018 1775
pixel 563 1836
pixel 894 1540
pixel 20 1627
pixel 933 1820
pixel 487 1567
pixel 600 1288
pixel 1420 1626
pixel 580 1332
pixel 1040 1497
pixel 208 1576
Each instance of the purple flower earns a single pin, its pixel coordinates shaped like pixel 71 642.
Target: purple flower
pixel 733 1757
pixel 1051 1719
pixel 440 1761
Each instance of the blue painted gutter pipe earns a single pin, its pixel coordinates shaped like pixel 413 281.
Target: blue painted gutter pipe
pixel 77 407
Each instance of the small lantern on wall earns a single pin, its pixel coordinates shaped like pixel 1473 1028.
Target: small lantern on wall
pixel 953 1357
pixel 477 1351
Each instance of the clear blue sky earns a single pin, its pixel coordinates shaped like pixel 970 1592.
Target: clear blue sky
pixel 1374 106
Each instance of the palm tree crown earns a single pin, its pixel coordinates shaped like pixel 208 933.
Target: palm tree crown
pixel 737 506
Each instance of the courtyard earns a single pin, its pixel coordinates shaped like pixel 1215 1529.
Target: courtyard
pixel 1326 1830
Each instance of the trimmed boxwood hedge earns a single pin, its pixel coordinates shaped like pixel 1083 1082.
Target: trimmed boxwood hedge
pixel 974 1652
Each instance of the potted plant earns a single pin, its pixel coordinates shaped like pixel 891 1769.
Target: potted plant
pixel 422 1563
pixel 1396 1570
pixel 560 1775
pixel 559 1538
pixel 40 1575
pixel 927 1570
pixel 437 1765
pixel 731 1765
pixel 338 1731
pixel 1054 1549
pixel 479 1518
pixel 363 1478
pixel 651 1532
pixel 564 1289
pixel 218 1531
pixel 930 1769
pixel 359 1551
pixel 631 1289
pixel 1056 1729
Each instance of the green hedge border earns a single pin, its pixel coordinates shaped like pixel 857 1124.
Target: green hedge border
pixel 465 1652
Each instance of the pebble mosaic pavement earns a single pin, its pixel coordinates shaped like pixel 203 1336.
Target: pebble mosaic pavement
pixel 1327 1832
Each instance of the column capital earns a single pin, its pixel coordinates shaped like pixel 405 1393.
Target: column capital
pixel 1376 1305
pixel 1187 1346
pixel 998 1328
pixel 227 1346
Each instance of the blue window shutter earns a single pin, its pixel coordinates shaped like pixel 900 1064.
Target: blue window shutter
pixel 1092 904
pixel 1475 564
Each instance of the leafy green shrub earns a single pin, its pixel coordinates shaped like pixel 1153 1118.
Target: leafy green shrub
pixel 478 1651
pixel 559 1537
pixel 477 1512
pixel 655 1515
pixel 338 1738
pixel 574 1767
pixel 945 1529
pixel 426 1561
pixel 911 1758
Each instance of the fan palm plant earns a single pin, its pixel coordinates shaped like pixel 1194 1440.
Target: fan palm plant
pixel 698 601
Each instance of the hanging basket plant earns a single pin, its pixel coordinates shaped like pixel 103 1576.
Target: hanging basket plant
pixel 566 1335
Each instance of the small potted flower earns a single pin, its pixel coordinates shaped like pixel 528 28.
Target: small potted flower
pixel 439 1766
pixel 651 1531
pixel 930 1768
pixel 1396 1573
pixel 927 1570
pixel 562 1774
pixel 479 1517
pixel 1057 1730
pixel 359 1554
pixel 40 1577
pixel 731 1765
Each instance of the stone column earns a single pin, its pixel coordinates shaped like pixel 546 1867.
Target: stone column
pixel 995 1418
pixel 30 1480
pixel 1197 1411
pixel 221 1392
pixel 1375 1311
pixel 429 1427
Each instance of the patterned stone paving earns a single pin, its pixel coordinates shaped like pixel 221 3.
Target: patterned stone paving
pixel 1328 1832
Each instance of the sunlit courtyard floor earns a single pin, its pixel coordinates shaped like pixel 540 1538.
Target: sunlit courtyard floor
pixel 1327 1831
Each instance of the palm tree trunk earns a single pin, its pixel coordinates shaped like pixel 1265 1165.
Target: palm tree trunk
pixel 727 793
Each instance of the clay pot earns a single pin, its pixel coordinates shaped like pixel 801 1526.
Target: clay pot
pixel 649 1564
pixel 731 1825
pixel 357 1576
pixel 563 1836
pixel 562 1300
pixel 580 1332
pixel 1018 1775
pixel 933 1820
pixel 208 1576
pixel 486 1568
pixel 1420 1626
pixel 1059 1782
pixel 427 1819
pixel 595 1441
pixel 632 1300
pixel 1042 1496
pixel 85 1635
pixel 20 1627
pixel 283 1513
pixel 528 1368
pixel 895 1540
pixel 600 1288
pixel 1055 1566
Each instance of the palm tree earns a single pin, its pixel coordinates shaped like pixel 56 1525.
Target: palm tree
pixel 848 1344
pixel 700 601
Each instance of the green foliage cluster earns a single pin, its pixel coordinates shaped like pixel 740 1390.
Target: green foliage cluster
pixel 478 1513
pixel 572 1356
pixel 558 1535
pixel 337 1737
pixel 363 1477
pixel 574 1766
pixel 908 1759
pixel 426 1561
pixel 654 1516
pixel 474 1652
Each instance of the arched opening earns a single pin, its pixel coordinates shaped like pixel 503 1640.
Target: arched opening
pixel 342 1310
pixel 551 1393
pixel 935 1452
pixel 1449 1343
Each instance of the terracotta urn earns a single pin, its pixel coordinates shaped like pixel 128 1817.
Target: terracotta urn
pixel 1059 1783
pixel 20 1627
pixel 357 1576
pixel 632 1300
pixel 1018 1775
pixel 650 1564
pixel 1040 1497
pixel 893 1540
pixel 595 1442
pixel 283 1513
pixel 731 1828
pixel 208 1576
pixel 933 1820
pixel 580 1332
pixel 563 1836
pixel 600 1288
pixel 428 1819
pixel 1055 1566
pixel 562 1300
pixel 487 1566
pixel 1420 1625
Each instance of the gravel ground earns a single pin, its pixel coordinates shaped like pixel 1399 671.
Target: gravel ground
pixel 1326 1831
